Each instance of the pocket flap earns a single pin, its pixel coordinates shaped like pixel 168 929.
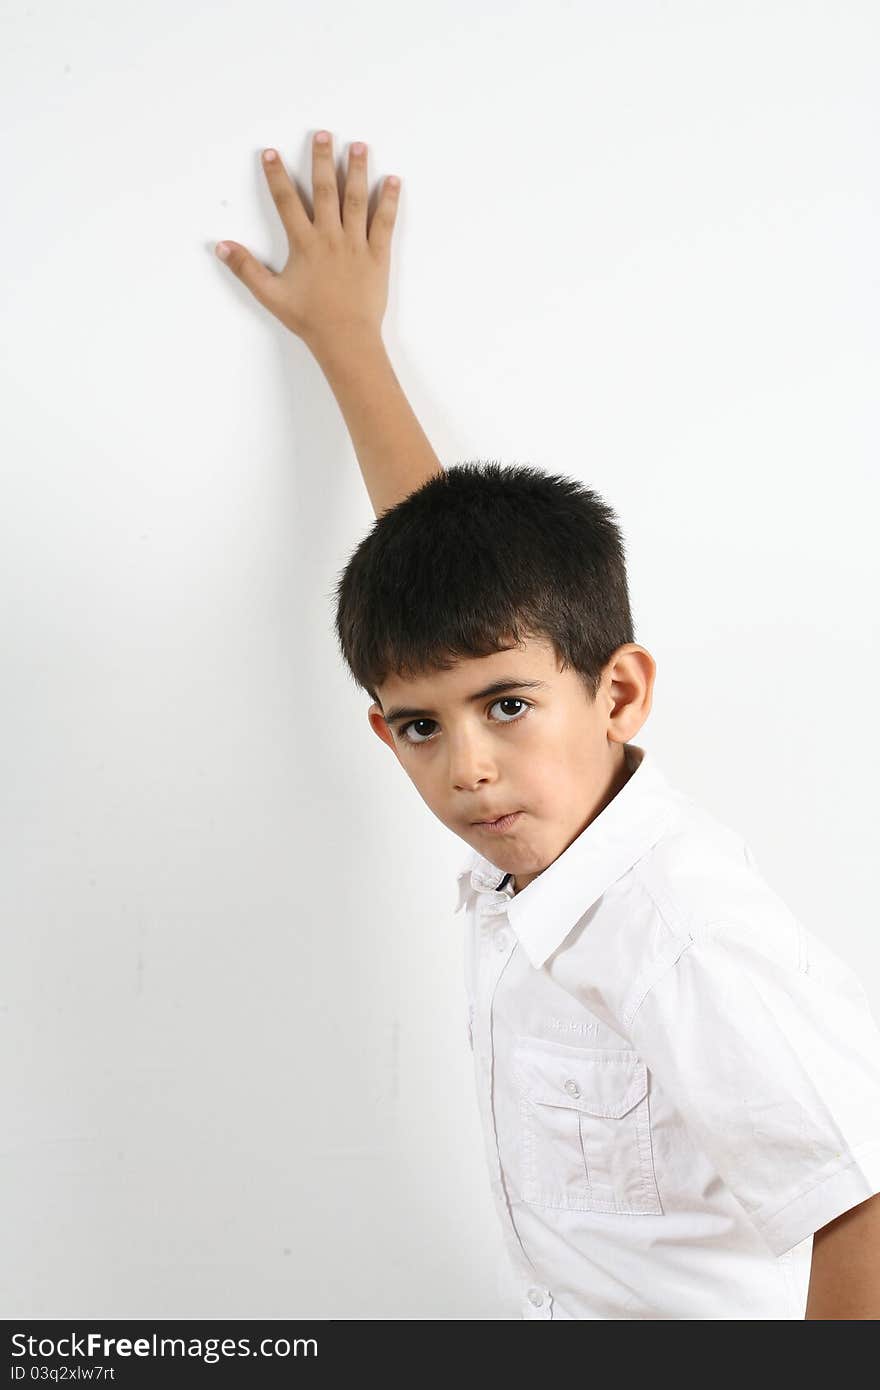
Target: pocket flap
pixel 606 1081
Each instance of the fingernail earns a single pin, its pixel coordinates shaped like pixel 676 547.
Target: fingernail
pixel 322 137
pixel 222 248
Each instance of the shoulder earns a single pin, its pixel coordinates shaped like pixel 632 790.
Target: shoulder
pixel 703 873
pixel 716 912
pixel 704 883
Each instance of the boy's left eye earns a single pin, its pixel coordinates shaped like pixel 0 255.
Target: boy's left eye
pixel 505 700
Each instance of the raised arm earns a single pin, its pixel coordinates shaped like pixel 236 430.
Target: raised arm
pixel 392 449
pixel 332 293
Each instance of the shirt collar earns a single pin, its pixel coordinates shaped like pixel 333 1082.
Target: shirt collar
pixel 544 912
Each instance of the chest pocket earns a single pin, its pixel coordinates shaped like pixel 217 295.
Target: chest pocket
pixel 585 1130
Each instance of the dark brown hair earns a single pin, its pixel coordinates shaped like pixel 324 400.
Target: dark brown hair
pixel 477 558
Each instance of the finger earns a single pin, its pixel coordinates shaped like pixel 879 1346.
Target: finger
pixel 294 217
pixel 325 188
pixel 260 280
pixel 354 203
pixel 385 216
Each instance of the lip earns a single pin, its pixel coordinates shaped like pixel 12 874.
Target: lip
pixel 500 826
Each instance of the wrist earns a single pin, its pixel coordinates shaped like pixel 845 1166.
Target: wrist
pixel 352 340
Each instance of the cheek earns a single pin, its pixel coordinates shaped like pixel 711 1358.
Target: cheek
pixel 551 787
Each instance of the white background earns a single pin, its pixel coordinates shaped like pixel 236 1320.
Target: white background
pixel 636 244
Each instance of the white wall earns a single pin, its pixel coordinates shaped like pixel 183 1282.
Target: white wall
pixel 637 244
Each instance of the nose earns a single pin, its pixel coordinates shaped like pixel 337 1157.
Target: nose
pixel 470 764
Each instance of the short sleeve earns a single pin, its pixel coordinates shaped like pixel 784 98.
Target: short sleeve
pixel 774 1064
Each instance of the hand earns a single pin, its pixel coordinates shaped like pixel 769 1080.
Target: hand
pixel 336 276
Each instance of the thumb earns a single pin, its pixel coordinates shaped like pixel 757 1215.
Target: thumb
pixel 259 279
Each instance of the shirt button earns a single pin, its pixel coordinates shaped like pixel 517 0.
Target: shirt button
pixel 536 1297
pixel 572 1088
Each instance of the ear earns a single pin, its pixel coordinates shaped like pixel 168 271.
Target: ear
pixel 629 692
pixel 380 728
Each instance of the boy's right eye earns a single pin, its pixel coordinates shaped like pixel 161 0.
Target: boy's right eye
pixel 411 725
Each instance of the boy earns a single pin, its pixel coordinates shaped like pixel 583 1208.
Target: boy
pixel 679 1084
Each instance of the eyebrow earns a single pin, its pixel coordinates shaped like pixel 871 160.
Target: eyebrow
pixel 496 688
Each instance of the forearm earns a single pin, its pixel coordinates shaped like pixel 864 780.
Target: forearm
pixel 845 1268
pixel 392 449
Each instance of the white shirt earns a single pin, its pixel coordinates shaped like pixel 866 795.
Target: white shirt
pixel 678 1082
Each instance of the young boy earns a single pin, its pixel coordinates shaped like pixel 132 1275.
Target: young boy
pixel 679 1083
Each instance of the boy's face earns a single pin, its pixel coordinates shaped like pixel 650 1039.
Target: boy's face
pixel 537 746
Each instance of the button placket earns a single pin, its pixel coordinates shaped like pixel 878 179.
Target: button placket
pixel 492 956
pixel 539 1303
pixel 491 962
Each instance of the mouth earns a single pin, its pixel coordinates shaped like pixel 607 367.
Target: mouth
pixel 501 824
